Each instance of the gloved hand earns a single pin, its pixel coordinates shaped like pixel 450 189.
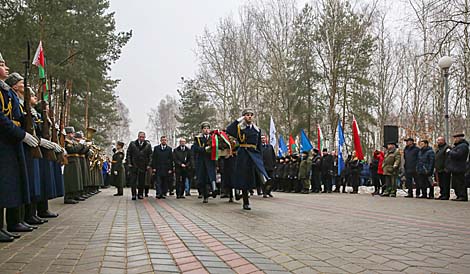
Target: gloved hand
pixel 240 119
pixel 82 141
pixel 115 172
pixel 46 144
pixel 30 140
pixel 208 149
pixel 447 150
pixel 57 148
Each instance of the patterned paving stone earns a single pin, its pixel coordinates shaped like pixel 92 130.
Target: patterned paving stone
pixel 287 234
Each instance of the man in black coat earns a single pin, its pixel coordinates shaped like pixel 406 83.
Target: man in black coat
pixel 411 159
pixel 316 171
pixel 138 156
pixel 269 160
pixel 327 163
pixel 457 160
pixel 162 164
pixel 182 161
pixel 442 174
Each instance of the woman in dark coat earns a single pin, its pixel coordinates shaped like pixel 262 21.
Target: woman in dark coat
pixel 118 173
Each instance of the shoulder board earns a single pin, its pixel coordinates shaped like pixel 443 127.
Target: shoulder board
pixel 4 85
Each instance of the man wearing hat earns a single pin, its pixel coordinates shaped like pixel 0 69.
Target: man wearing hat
pixel 73 175
pixel 457 160
pixel 205 166
pixel 390 166
pixel 85 167
pixel 443 174
pixel 327 171
pixel 249 163
pixel 14 183
pixel 410 155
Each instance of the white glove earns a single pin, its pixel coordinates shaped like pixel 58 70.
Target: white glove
pixel 46 144
pixel 57 148
pixel 115 172
pixel 241 119
pixel 447 151
pixel 30 140
pixel 82 141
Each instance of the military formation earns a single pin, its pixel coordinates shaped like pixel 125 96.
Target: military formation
pixel 32 158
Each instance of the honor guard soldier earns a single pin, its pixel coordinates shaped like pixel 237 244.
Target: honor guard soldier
pixel 73 174
pixel 205 166
pixel 14 184
pixel 249 163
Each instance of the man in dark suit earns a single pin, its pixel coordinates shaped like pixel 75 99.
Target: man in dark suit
pixel 269 160
pixel 205 166
pixel 138 157
pixel 162 164
pixel 182 161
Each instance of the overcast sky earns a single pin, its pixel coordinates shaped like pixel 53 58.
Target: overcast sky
pixel 162 47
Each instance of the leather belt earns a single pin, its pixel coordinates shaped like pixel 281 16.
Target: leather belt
pixel 248 145
pixel 76 155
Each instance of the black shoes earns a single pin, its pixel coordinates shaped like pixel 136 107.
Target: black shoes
pixel 230 200
pixel 460 199
pixel 442 198
pixel 246 207
pixel 118 194
pixel 180 197
pixel 214 194
pixel 9 234
pixel 5 238
pixel 140 197
pixel 134 198
pixel 70 201
pixel 19 227
pixel 205 201
pixel 47 214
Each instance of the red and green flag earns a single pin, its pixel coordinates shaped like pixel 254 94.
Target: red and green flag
pixel 292 145
pixel 320 139
pixel 40 62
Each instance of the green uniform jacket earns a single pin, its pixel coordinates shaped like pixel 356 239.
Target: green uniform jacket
pixel 72 171
pixel 118 174
pixel 391 162
pixel 304 168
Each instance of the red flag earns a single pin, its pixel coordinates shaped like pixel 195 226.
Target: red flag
pixel 291 144
pixel 357 140
pixel 319 139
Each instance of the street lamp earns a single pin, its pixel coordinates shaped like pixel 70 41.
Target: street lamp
pixel 445 63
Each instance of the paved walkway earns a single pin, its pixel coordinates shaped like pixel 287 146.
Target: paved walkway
pixel 291 233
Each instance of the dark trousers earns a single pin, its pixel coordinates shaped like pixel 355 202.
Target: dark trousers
pixel 15 215
pixel 376 183
pixel 326 180
pixel 458 183
pixel 2 217
pixel 316 182
pixel 42 206
pixel 268 185
pixel 246 199
pixel 162 185
pixel 355 178
pixel 410 178
pixel 444 183
pixel 181 177
pixel 138 183
pixel 422 183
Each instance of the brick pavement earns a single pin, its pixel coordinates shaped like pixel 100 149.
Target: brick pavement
pixel 291 233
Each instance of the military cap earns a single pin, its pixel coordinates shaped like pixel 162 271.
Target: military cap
pixel 315 150
pixel 458 135
pixel 247 110
pixel 121 144
pixel 390 142
pixel 13 79
pixel 69 130
pixel 205 124
pixel 78 134
pixel 1 58
pixel 409 139
pixel 325 150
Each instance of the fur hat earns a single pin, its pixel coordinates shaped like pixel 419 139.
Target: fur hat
pixel 69 130
pixel 13 79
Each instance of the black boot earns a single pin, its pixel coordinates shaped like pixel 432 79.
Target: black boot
pixel 4 238
pixel 19 227
pixel 6 232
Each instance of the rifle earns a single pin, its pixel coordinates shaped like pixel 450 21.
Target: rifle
pixel 54 137
pixel 62 121
pixel 28 123
pixel 45 130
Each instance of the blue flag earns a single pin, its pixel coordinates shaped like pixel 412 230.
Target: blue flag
pixel 340 148
pixel 305 144
pixel 282 147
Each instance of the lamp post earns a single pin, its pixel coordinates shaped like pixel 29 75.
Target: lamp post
pixel 445 63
